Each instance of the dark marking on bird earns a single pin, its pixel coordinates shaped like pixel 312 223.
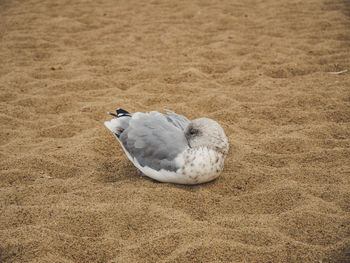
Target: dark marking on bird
pixel 122 113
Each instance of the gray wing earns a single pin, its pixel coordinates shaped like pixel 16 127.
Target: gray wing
pixel 154 140
pixel 178 120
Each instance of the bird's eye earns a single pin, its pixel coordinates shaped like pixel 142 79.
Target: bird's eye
pixel 193 131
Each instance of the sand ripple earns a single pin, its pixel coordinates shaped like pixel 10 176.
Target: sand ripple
pixel 260 68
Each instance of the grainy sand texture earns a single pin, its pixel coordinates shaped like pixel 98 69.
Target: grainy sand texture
pixel 273 73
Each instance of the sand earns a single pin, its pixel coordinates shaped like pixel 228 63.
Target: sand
pixel 262 69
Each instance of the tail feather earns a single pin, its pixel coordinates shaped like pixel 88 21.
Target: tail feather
pixel 118 125
pixel 121 113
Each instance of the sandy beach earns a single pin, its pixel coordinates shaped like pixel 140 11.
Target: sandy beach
pixel 274 74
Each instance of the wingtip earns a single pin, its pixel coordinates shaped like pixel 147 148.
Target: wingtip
pixel 122 112
pixel 113 114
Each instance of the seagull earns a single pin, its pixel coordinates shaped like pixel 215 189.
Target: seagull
pixel 170 148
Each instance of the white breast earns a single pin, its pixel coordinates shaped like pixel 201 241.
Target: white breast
pixel 201 165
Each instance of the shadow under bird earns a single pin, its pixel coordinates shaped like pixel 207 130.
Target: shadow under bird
pixel 170 148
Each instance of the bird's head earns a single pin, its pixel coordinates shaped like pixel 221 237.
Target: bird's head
pixel 204 132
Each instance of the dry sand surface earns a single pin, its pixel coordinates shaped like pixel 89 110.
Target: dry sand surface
pixel 260 68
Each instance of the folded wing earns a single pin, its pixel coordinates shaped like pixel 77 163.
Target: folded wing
pixel 155 139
